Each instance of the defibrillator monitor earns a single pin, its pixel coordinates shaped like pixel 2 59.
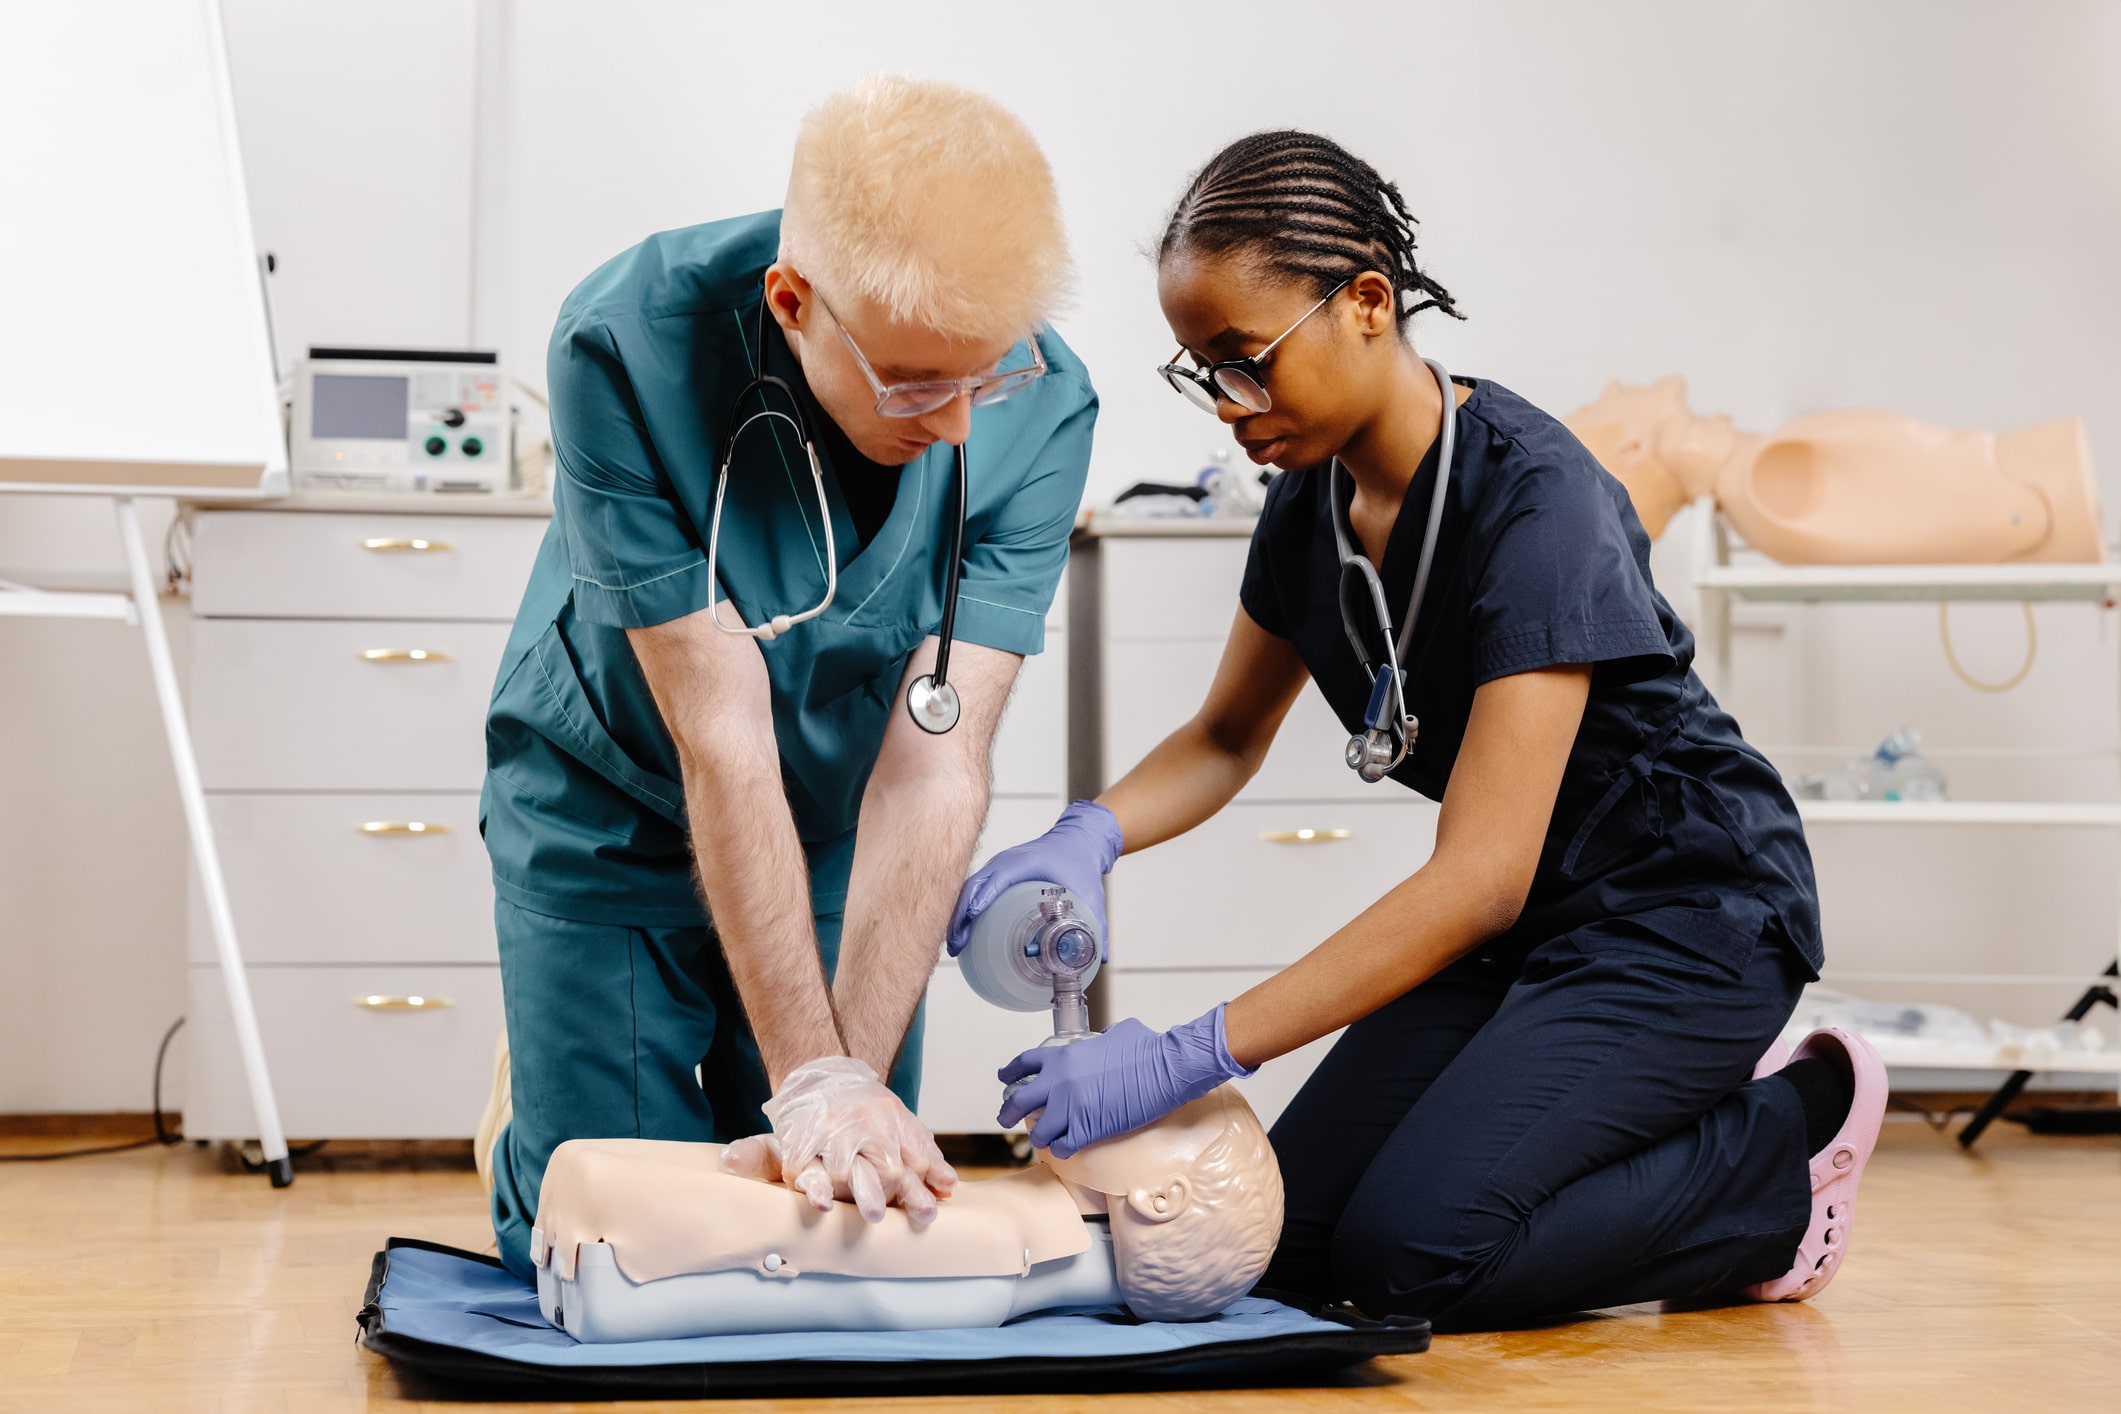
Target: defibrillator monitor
pixel 400 420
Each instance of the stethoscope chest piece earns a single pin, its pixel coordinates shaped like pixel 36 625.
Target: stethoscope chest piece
pixel 933 705
pixel 1387 737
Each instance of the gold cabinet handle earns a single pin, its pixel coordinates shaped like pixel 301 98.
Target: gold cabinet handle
pixel 412 1003
pixel 1304 836
pixel 407 543
pixel 406 655
pixel 402 827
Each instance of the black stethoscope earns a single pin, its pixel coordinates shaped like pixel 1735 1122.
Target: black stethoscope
pixel 1389 726
pixel 930 700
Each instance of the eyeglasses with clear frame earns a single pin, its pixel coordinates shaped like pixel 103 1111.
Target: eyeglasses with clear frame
pixel 921 397
pixel 1242 380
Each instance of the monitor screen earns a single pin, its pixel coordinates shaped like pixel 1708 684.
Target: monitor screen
pixel 358 405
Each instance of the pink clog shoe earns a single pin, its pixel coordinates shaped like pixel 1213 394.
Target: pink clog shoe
pixel 1836 1169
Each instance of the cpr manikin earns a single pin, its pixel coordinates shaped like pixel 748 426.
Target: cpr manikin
pixel 1853 486
pixel 649 1240
pixel 646 1240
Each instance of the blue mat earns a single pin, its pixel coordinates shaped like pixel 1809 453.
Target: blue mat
pixel 464 1319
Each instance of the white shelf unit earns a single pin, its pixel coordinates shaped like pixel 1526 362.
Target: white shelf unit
pixel 1721 583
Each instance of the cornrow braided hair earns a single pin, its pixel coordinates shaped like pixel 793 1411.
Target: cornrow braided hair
pixel 1309 209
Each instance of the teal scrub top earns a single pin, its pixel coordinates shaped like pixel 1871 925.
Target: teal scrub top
pixel 583 810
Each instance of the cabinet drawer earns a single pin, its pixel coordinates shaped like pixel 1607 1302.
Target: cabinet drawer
pixel 291 705
pixel 966 1041
pixel 1151 689
pixel 342 1070
pixel 290 564
pixel 1155 591
pixel 1031 746
pixel 1247 889
pixel 1164 999
pixel 352 878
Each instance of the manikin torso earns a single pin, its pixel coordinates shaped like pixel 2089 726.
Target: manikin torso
pixel 1853 486
pixel 1176 1219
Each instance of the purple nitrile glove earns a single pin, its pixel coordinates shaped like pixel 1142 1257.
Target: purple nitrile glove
pixel 1116 1081
pixel 1076 853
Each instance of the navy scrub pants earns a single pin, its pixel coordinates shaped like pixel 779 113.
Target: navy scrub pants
pixel 1560 1130
pixel 605 1027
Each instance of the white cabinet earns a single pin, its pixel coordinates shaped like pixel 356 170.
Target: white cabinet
pixel 342 705
pixel 1259 883
pixel 341 666
pixel 1305 846
pixel 357 1052
pixel 341 663
pixel 330 878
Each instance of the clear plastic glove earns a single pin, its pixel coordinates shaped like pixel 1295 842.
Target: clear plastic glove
pixel 839 1133
pixel 1076 853
pixel 1116 1081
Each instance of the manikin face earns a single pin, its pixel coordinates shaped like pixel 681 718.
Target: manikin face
pixel 1325 379
pixel 899 353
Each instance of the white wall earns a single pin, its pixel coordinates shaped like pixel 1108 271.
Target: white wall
pixel 1906 205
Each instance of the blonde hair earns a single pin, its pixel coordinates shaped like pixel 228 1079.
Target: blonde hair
pixel 932 200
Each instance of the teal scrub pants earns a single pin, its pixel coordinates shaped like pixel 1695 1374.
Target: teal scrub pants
pixel 605 1027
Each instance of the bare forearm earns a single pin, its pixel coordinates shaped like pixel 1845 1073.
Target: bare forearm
pixel 1488 839
pixel 921 816
pixel 1422 926
pixel 1186 779
pixel 752 871
pixel 910 856
pixel 1196 770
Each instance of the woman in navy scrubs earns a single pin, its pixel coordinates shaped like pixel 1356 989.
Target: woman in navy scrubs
pixel 1559 1085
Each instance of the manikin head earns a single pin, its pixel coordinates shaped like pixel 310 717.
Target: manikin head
pixel 1195 1205
pixel 1273 224
pixel 921 223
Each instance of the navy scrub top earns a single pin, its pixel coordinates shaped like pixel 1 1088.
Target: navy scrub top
pixel 1665 815
pixel 583 810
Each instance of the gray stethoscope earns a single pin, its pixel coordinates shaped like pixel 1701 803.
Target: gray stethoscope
pixel 931 701
pixel 1389 727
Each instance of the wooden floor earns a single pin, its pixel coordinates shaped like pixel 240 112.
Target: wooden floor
pixel 160 1280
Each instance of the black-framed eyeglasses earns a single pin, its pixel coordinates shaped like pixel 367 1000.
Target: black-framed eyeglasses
pixel 1242 380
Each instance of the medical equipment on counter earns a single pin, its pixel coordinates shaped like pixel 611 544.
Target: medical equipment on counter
pixel 1895 770
pixel 931 701
pixel 1389 726
pixel 376 419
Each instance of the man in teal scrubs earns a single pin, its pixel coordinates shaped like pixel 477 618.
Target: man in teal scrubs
pixel 723 863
